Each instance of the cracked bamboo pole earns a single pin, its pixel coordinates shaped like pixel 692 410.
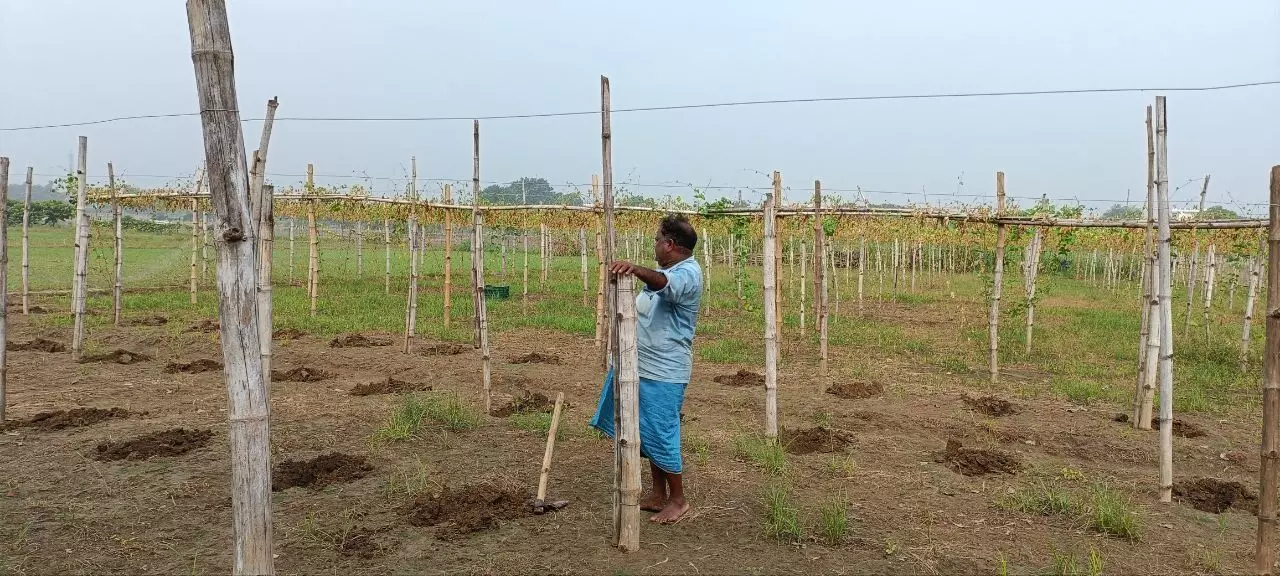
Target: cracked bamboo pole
pixel 862 268
pixel 804 261
pixel 313 242
pixel 448 256
pixel 582 251
pixel 4 281
pixel 820 283
pixel 266 243
pixel 411 299
pixel 79 287
pixel 1144 393
pixel 1033 269
pixel 770 321
pixel 1250 299
pixel 291 253
pixel 993 319
pixel 1210 279
pixel 26 245
pixel 477 271
pixel 1166 307
pixel 1193 265
pixel 359 233
pixel 1269 473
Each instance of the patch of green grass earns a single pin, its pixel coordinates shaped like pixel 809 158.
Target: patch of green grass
pixel 841 466
pixel 405 420
pixel 782 518
pixel 448 410
pixel 727 351
pixel 1110 513
pixel 835 520
pixel 538 423
pixel 954 365
pixel 1044 499
pixel 1065 564
pixel 699 446
pixel 1082 392
pixel 822 418
pixel 766 454
pixel 408 481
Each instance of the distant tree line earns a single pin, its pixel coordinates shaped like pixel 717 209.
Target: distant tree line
pixel 1136 212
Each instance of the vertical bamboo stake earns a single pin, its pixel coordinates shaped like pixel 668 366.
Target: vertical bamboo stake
pixel 706 258
pixel 204 245
pixel 448 255
pixel 79 287
pixel 524 295
pixel 601 321
pixel 386 250
pixel 502 242
pixel 1250 298
pixel 993 320
pixel 292 259
pixel 738 256
pixel 777 251
pixel 313 242
pixel 411 300
pixel 820 283
pixel 359 250
pixel 1033 268
pixel 1270 471
pixel 195 242
pixel 862 267
pixel 266 243
pixel 1166 308
pixel 477 268
pixel 1193 265
pixel 628 435
pixel 1210 278
pixel 117 290
pixel 4 280
pixel 258 168
pixel 26 243
pixel 582 251
pixel 770 320
pixel 542 257
pixel 1149 304
pixel 804 260
pixel 237 283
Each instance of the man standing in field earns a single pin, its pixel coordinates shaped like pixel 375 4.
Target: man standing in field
pixel 666 314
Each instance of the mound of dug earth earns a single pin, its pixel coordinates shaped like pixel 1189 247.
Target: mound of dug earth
pixel 990 405
pixel 536 358
pixel 388 386
pixel 741 379
pixel 287 334
pixel 472 508
pixel 445 349
pixel 173 442
pixel 856 390
pixel 526 403
pixel 206 326
pixel 60 419
pixel 118 356
pixel 812 440
pixel 1181 428
pixel 977 462
pixel 37 345
pixel 192 367
pixel 1215 496
pixel 318 472
pixel 362 543
pixel 358 341
pixel 300 374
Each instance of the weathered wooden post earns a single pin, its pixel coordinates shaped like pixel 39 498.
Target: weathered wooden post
pixel 79 286
pixel 770 320
pixel 117 289
pixel 993 320
pixel 313 243
pixel 477 269
pixel 1270 470
pixel 1166 307
pixel 237 282
pixel 448 255
pixel 628 434
pixel 4 281
pixel 26 243
pixel 820 284
pixel 266 243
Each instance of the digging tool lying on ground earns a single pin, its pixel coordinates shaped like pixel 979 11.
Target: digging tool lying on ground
pixel 540 505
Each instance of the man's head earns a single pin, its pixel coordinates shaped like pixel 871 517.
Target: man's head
pixel 675 240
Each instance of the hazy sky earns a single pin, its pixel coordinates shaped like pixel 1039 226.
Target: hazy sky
pixel 75 60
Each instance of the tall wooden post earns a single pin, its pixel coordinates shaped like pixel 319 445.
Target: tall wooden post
pixel 820 283
pixel 1166 308
pixel 582 252
pixel 195 241
pixel 1144 395
pixel 386 248
pixel 117 289
pixel 313 242
pixel 258 167
pixel 993 321
pixel 266 243
pixel 777 250
pixel 1270 470
pixel 79 287
pixel 477 268
pixel 770 320
pixel 26 243
pixel 411 299
pixel 4 281
pixel 628 435
pixel 448 255
pixel 237 282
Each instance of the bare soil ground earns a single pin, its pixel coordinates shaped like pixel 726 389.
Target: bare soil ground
pixel 457 502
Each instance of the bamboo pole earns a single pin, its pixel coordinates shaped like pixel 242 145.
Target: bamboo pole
pixel 862 267
pixel 770 320
pixel 411 299
pixel 601 279
pixel 552 430
pixel 542 258
pixel 386 250
pixel 1193 265
pixel 359 233
pixel 804 261
pixel 204 246
pixel 621 533
pixel 582 251
pixel 777 251
pixel 1144 393
pixel 1270 469
pixel 313 259
pixel 1210 279
pixel 1033 269
pixel 820 283
pixel 477 269
pixel 248 411
pixel 291 258
pixel 448 256
pixel 706 258
pixel 195 242
pixel 993 320
pixel 26 244
pixel 1166 309
pixel 4 282
pixel 1250 298
pixel 80 284
pixel 258 167
pixel 266 243
pixel 628 435
pixel 117 290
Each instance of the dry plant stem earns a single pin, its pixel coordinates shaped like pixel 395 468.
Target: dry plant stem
pixel 237 285
pixel 1270 469
pixel 80 281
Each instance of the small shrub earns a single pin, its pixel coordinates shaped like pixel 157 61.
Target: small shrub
pixel 782 519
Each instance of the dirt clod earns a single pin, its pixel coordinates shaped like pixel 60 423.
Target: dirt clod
pixel 472 508
pixel 976 462
pixel 741 379
pixel 1215 496
pixel 118 356
pixel 172 442
pixel 299 374
pixel 856 390
pixel 526 403
pixel 536 358
pixel 446 349
pixel 361 543
pixel 60 419
pixel 35 310
pixel 205 326
pixel 318 472
pixel 1181 428
pixel 192 367
pixel 287 334
pixel 37 345
pixel 388 386
pixel 155 320
pixel 990 405
pixel 812 440
pixel 358 341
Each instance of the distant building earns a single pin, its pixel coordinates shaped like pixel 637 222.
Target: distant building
pixel 1185 215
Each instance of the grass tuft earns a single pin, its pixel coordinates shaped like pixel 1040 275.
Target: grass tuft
pixel 766 454
pixel 1111 515
pixel 405 421
pixel 536 422
pixel 835 521
pixel 782 519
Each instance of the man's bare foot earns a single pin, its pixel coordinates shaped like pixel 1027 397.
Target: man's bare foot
pixel 654 502
pixel 672 512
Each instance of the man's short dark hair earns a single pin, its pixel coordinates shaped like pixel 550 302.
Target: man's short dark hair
pixel 676 227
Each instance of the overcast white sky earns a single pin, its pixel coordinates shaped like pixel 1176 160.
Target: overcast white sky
pixel 69 60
